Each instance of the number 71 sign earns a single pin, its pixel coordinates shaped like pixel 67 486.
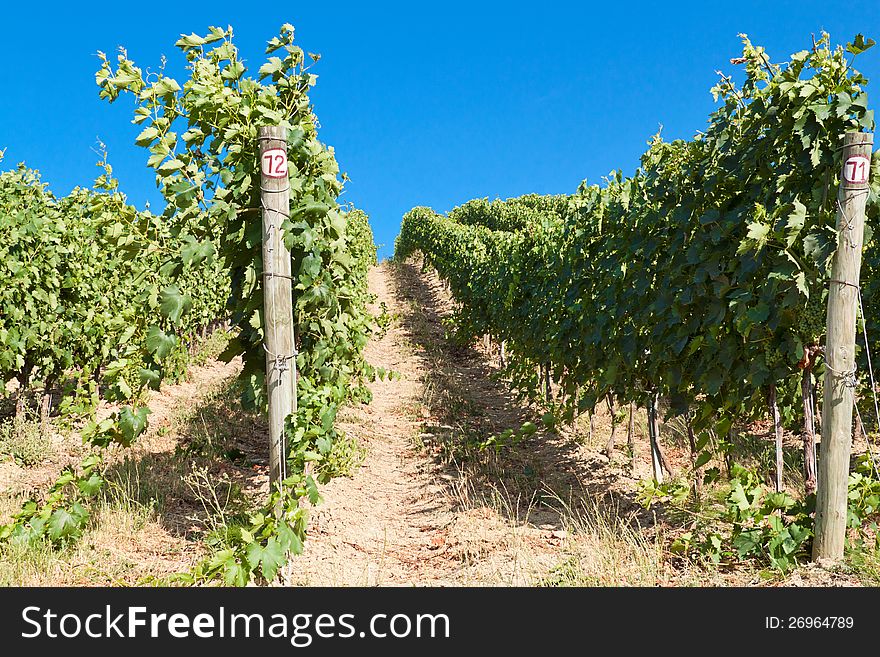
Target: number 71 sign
pixel 855 171
pixel 274 163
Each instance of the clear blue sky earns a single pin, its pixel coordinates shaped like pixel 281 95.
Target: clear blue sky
pixel 426 103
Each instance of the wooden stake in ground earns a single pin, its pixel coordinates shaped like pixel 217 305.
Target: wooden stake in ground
pixel 809 423
pixel 653 426
pixel 777 435
pixel 697 486
pixel 46 405
pixel 609 446
pixel 843 297
pixel 630 435
pixel 277 296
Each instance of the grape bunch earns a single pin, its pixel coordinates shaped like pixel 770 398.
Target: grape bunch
pixel 774 357
pixel 811 320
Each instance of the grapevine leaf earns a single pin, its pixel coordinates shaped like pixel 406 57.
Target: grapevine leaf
pixel 150 378
pixel 860 44
pixel 159 343
pixel 90 486
pixel 195 252
pixel 146 137
pixel 66 524
pixel 235 574
pixel 312 488
pixel 132 424
pixel 269 557
pixel 289 539
pixel 173 303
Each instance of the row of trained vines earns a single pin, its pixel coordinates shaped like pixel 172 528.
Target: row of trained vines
pixel 701 278
pixel 82 274
pixel 106 298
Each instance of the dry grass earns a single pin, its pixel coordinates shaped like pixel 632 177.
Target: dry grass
pixel 125 544
pixel 25 440
pixel 149 517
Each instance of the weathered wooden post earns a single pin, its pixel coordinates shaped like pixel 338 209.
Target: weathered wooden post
pixel 843 298
pixel 654 438
pixel 277 296
pixel 630 435
pixel 777 438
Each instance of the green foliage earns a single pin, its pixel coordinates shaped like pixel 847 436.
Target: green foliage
pixel 774 528
pixel 675 491
pixel 863 499
pixel 345 456
pixel 86 288
pixel 752 523
pixel 61 517
pixel 145 284
pixel 256 549
pixel 507 438
pixel 701 277
pixel 361 245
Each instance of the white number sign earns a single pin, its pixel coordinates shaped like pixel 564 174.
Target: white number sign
pixel 856 169
pixel 274 163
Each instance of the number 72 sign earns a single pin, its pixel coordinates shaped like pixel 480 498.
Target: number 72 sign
pixel 856 168
pixel 274 163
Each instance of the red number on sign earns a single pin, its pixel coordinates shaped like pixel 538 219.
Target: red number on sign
pixel 275 164
pixel 856 169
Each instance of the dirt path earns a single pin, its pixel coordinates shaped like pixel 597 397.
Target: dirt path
pixel 409 516
pixel 381 525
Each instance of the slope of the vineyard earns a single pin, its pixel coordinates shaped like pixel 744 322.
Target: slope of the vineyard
pixel 441 499
pixel 436 499
pixel 699 281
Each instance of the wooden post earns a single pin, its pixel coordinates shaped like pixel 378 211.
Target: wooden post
pixel 777 437
pixel 630 435
pixel 46 405
pixel 277 296
pixel 609 446
pixel 809 431
pixel 837 409
pixel 697 485
pixel 653 425
pixel 728 453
